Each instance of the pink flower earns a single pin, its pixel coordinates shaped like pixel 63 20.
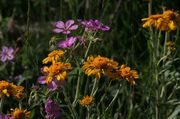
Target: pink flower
pixel 64 28
pixel 94 25
pixel 52 109
pixel 67 43
pixel 6 54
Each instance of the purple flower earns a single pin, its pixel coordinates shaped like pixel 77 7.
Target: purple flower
pixel 67 43
pixel 94 25
pixel 6 53
pixel 52 109
pixel 53 85
pixel 5 117
pixel 65 28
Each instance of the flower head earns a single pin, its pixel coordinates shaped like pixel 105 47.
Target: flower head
pixel 53 56
pixel 169 20
pixel 86 101
pixel 94 25
pixel 52 109
pixel 128 74
pixel 9 89
pixel 20 114
pixel 67 43
pixel 65 28
pixel 6 54
pixel 98 66
pixel 57 70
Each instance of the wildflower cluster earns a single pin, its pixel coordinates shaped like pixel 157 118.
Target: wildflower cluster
pixel 104 66
pixel 9 89
pixel 56 71
pixel 169 20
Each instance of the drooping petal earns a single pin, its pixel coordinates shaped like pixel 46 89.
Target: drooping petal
pixel 52 86
pixel 42 79
pixel 58 30
pixel 104 28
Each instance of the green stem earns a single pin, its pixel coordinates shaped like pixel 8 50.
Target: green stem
pixel 110 104
pixel 165 41
pixel 150 7
pixel 93 89
pixel 88 113
pixel 158 43
pixel 89 45
pixel 1 105
pixel 77 89
pixel 70 107
pixel 102 98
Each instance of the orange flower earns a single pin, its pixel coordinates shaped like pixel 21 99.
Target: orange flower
pixel 86 101
pixel 57 70
pixel 4 88
pixel 9 89
pixel 20 114
pixel 53 56
pixel 98 66
pixel 169 20
pixel 151 20
pixel 128 74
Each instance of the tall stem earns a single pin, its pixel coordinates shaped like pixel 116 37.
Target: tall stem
pixel 77 89
pixel 93 89
pixel 89 45
pixel 165 41
pixel 1 105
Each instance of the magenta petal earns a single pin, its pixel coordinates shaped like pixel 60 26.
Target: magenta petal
pixel 69 23
pixel 105 28
pixel 10 57
pixel 52 85
pixel 66 32
pixel 10 50
pixel 42 79
pixel 3 58
pixel 4 49
pixel 62 44
pixel 57 30
pixel 73 27
pixel 71 41
pixel 60 24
